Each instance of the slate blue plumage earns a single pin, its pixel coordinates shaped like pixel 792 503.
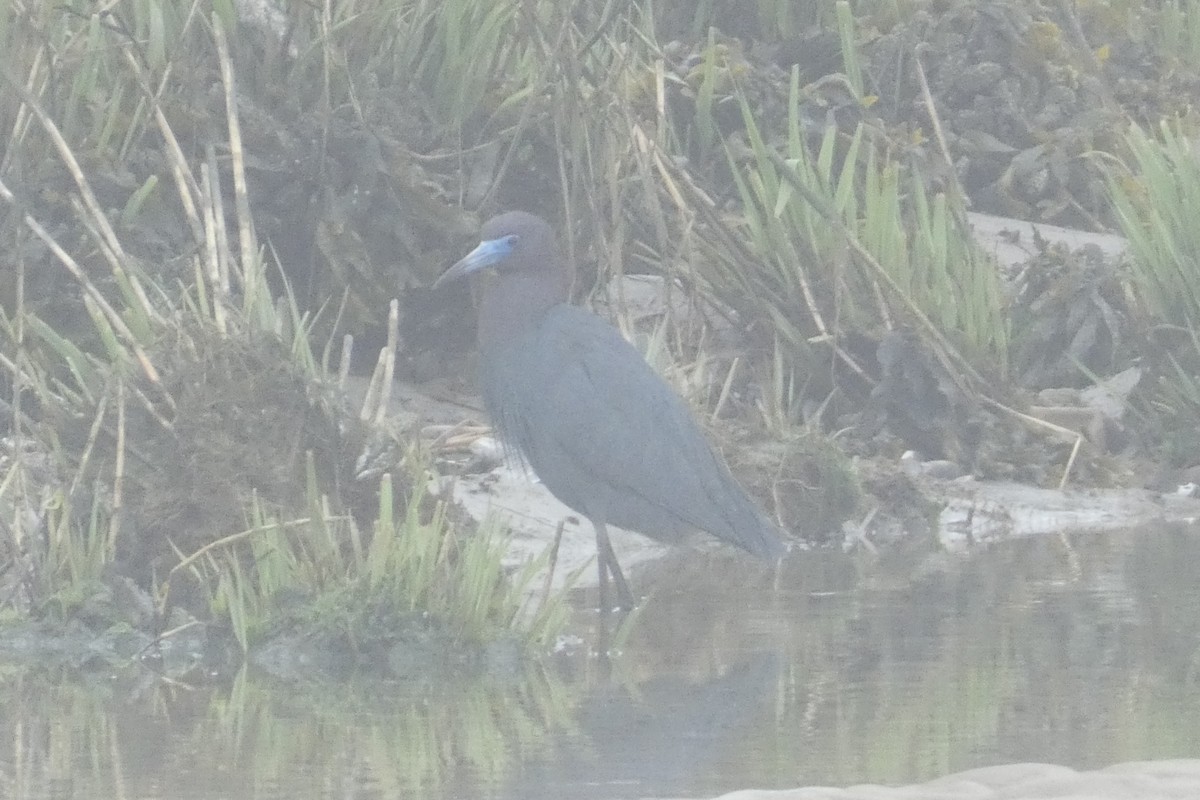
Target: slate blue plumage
pixel 580 405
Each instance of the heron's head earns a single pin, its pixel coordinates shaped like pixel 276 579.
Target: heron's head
pixel 515 244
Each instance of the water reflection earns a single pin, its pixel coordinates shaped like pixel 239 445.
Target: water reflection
pixel 1081 651
pixel 649 739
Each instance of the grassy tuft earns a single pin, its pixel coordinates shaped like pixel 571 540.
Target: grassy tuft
pixel 182 432
pixel 1156 198
pixel 843 240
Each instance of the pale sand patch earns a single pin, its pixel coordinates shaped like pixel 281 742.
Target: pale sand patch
pixel 1137 780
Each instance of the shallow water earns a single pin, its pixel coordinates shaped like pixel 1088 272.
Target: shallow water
pixel 1079 650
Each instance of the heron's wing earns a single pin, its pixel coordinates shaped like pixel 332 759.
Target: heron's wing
pixel 599 407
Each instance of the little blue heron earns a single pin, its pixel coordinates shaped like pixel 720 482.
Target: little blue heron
pixel 577 403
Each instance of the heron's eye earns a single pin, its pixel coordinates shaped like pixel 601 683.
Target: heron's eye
pixel 511 240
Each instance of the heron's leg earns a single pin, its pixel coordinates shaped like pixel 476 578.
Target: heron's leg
pixel 558 534
pixel 606 560
pixel 602 583
pixel 602 569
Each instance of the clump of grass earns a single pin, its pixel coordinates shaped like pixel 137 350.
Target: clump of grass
pixel 189 411
pixel 842 240
pixel 809 244
pixel 367 589
pixel 1156 198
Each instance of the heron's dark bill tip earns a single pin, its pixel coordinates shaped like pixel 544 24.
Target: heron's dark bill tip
pixel 449 276
pixel 487 253
pixel 460 270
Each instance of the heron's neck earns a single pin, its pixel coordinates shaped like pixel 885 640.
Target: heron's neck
pixel 513 304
